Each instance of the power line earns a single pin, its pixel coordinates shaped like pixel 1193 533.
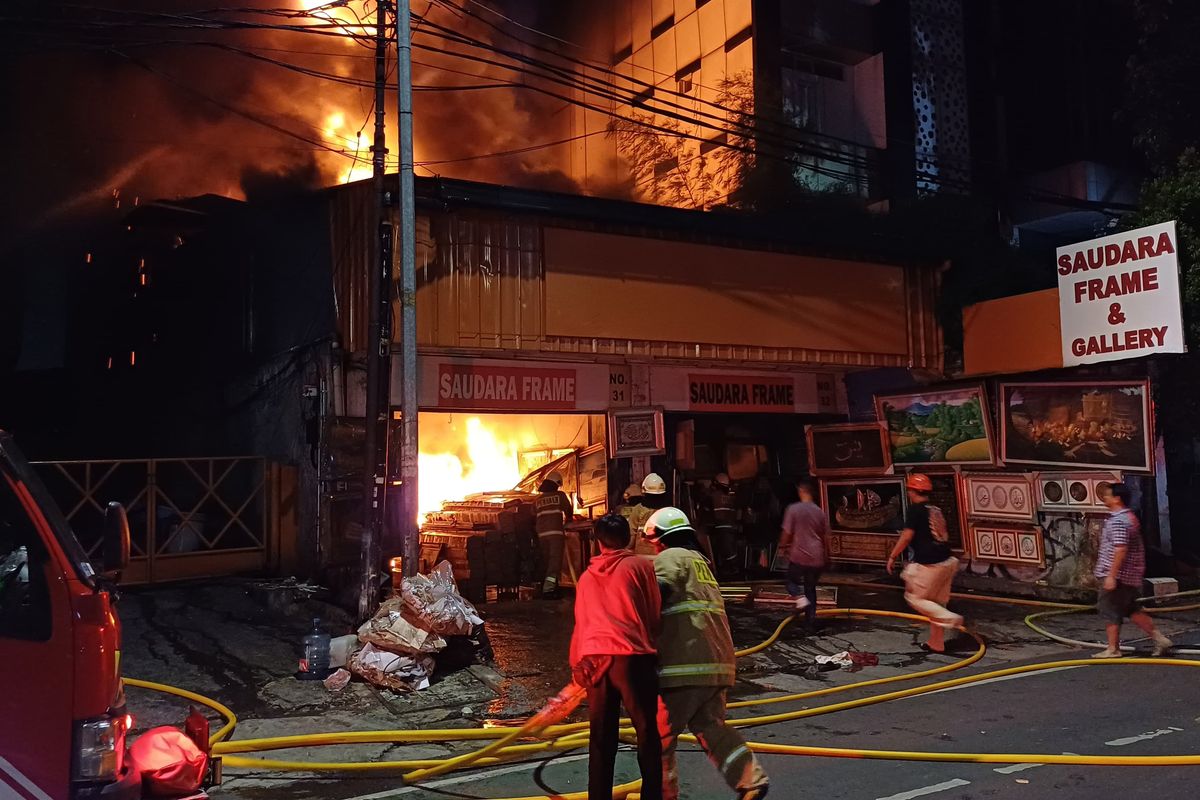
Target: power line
pixel 514 151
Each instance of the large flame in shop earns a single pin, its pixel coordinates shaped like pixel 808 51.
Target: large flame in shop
pixel 461 455
pixel 490 463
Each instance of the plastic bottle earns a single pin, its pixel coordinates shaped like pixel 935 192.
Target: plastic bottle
pixel 315 665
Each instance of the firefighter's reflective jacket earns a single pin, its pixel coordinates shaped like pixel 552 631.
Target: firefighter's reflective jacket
pixel 695 648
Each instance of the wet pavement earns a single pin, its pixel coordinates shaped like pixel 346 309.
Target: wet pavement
pixel 239 642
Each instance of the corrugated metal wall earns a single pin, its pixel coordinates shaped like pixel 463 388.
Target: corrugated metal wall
pixel 480 284
pixel 481 287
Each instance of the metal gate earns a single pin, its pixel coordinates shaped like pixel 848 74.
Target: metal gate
pixel 188 517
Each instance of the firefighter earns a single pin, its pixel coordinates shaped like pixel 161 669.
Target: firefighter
pixel 653 497
pixel 724 524
pixel 552 510
pixel 631 500
pixel 696 661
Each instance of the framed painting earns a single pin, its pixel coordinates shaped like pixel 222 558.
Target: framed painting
pixel 1078 425
pixel 946 496
pixel 1075 491
pixel 861 548
pixel 942 427
pixel 1007 544
pixel 850 449
pixel 1000 495
pixel 592 471
pixel 864 506
pixel 636 432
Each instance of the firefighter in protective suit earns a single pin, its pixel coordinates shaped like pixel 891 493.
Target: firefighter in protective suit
pixel 653 497
pixel 696 661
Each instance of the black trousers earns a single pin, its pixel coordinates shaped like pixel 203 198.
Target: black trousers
pixel 632 680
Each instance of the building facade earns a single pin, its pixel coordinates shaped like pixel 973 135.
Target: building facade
pixel 860 98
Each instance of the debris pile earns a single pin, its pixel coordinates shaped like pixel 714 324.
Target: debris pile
pixel 400 641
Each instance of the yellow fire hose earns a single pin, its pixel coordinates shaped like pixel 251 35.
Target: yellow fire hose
pixel 503 747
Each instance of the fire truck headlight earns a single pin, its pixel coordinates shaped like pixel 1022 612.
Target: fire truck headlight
pixel 100 748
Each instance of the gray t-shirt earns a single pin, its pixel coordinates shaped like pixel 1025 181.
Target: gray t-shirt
pixel 808 526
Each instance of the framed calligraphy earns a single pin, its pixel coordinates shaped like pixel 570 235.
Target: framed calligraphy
pixel 846 450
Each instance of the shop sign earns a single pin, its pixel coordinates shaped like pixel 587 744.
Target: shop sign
pixel 1118 296
pixel 505 387
pixel 709 392
pixel 620 386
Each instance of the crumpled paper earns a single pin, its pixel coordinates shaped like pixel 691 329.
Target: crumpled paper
pixel 390 630
pixel 435 601
pixel 853 659
pixel 401 673
pixel 842 659
pixel 337 680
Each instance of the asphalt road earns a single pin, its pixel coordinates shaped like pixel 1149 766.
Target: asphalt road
pixel 1105 710
pixel 220 641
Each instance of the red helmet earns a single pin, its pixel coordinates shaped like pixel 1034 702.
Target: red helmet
pixel 919 483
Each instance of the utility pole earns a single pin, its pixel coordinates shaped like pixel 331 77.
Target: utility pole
pixel 379 338
pixel 408 296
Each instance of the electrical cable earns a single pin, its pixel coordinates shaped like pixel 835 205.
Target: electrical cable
pixel 175 20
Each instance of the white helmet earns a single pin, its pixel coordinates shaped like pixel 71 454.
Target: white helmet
pixel 664 522
pixel 653 484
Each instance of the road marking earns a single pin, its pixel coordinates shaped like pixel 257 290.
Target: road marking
pixel 474 776
pixel 1011 768
pixel 924 790
pixel 1143 737
pixel 1000 679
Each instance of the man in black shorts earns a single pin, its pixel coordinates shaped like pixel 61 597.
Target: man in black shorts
pixel 1120 568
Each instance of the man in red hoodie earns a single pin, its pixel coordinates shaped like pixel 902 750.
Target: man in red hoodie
pixel 617 616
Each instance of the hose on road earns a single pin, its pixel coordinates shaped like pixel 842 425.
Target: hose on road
pixel 504 745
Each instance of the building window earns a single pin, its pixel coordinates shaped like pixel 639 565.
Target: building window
pixel 801 62
pixel 742 36
pixel 664 26
pixel 708 145
pixel 802 99
pixel 665 167
pixel 685 78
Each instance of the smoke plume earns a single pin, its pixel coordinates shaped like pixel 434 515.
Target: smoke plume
pixel 109 98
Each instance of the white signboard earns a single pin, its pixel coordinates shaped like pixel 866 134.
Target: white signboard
pixel 1118 297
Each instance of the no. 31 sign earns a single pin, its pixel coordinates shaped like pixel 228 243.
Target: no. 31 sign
pixel 620 386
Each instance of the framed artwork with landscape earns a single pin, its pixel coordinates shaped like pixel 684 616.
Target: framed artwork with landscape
pixel 1081 425
pixel 849 449
pixel 938 427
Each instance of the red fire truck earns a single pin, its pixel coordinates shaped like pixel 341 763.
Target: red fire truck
pixel 62 704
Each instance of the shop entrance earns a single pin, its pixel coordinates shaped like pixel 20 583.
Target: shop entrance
pixel 762 455
pixel 479 475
